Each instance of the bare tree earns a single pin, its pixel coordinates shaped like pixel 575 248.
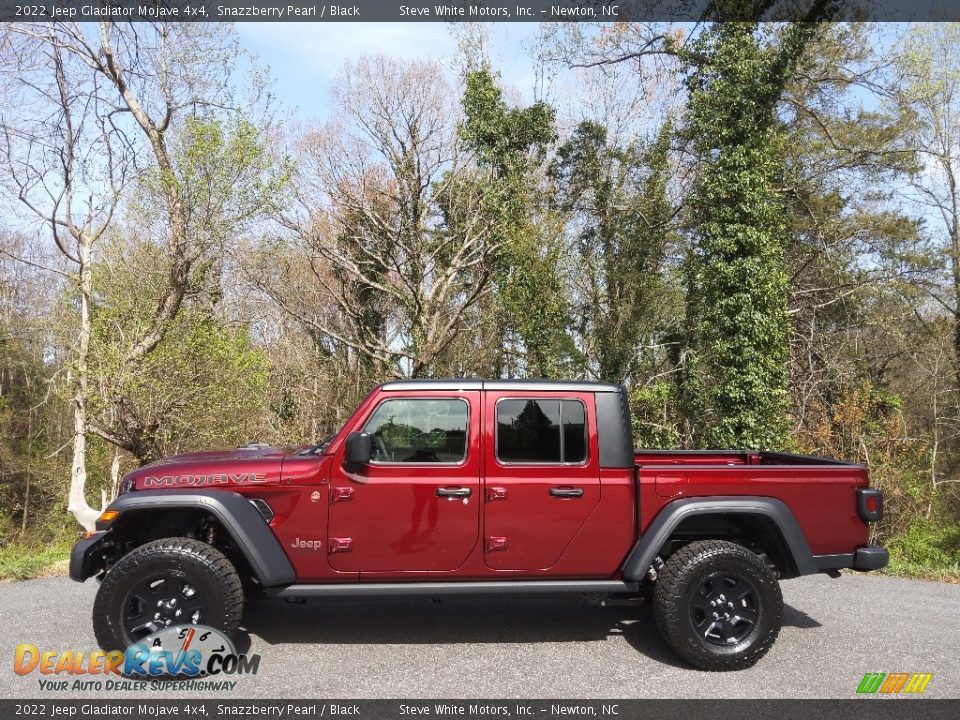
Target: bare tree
pixel 929 95
pixel 65 165
pixel 97 107
pixel 387 216
pixel 198 166
pixel 158 74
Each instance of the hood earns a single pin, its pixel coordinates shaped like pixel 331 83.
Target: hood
pixel 250 452
pixel 243 466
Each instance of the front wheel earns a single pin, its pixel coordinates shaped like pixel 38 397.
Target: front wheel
pixel 718 605
pixel 173 581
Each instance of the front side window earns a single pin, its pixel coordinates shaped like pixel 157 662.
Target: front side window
pixel 541 431
pixel 419 431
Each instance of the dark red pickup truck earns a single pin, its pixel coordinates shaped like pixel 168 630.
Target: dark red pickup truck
pixel 440 487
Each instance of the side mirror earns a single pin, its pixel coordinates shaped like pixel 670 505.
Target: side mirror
pixel 359 449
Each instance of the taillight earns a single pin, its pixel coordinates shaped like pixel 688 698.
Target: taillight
pixel 869 504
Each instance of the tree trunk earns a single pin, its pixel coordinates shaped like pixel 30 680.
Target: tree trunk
pixel 77 501
pixel 934 451
pixel 955 268
pixel 115 475
pixel 26 489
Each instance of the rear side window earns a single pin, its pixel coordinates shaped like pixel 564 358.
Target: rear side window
pixel 409 430
pixel 541 431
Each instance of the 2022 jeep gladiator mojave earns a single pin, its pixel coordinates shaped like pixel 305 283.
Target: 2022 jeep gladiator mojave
pixel 475 486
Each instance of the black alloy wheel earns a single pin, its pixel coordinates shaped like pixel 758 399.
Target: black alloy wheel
pixel 718 605
pixel 725 608
pixel 172 581
pixel 161 600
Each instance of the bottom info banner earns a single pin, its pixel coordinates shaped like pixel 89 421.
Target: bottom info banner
pixel 915 709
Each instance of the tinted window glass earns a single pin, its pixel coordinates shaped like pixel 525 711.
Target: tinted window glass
pixel 574 432
pixel 419 431
pixel 528 430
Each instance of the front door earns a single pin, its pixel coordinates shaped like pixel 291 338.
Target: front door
pixel 416 505
pixel 542 476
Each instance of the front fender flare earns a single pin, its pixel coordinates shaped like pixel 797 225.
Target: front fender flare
pixel 669 518
pixel 246 526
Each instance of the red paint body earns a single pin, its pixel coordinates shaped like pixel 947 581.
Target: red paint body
pixel 385 522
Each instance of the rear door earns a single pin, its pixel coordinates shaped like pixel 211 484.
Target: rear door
pixel 542 475
pixel 416 505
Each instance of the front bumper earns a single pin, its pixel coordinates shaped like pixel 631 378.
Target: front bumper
pixel 869 557
pixel 87 558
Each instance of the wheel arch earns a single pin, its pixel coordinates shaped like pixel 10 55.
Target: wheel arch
pixel 248 532
pixel 768 520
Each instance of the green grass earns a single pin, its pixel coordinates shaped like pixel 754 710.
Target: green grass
pixel 18 562
pixel 927 551
pixel 947 572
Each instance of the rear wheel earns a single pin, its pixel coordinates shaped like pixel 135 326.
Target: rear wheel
pixel 718 605
pixel 173 581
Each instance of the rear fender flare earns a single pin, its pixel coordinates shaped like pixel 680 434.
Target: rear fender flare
pixel 669 518
pixel 246 526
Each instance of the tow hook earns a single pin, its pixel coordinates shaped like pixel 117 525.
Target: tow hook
pixel 653 572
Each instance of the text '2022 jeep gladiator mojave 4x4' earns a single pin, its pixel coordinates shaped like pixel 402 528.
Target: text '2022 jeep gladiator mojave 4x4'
pixel 476 486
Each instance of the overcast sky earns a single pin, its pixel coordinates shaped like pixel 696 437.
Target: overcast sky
pixel 304 58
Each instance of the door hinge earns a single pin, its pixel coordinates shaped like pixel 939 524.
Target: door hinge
pixel 339 545
pixel 496 493
pixel 496 544
pixel 341 494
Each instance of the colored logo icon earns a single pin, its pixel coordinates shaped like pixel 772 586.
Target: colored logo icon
pixel 894 683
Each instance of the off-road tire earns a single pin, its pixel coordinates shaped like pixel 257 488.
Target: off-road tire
pixel 207 570
pixel 679 593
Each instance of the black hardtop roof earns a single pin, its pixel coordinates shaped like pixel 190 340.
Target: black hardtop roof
pixel 519 385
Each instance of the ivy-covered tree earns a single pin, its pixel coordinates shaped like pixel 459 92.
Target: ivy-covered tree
pixel 510 143
pixel 737 285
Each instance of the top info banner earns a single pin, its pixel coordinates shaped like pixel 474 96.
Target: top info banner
pixel 471 11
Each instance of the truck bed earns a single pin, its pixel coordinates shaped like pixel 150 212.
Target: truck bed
pixel 820 492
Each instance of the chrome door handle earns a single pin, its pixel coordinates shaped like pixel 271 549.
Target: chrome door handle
pixel 566 492
pixel 454 492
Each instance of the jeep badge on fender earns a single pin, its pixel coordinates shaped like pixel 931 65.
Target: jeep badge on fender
pixel 482 486
pixel 299 544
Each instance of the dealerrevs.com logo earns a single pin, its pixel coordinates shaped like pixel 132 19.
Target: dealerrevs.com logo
pixel 173 654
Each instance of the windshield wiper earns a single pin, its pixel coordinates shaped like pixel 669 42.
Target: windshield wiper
pixel 318 448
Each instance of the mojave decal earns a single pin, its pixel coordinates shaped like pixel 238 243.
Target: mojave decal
pixel 198 480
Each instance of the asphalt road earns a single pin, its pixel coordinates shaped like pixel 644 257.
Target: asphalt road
pixel 526 647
